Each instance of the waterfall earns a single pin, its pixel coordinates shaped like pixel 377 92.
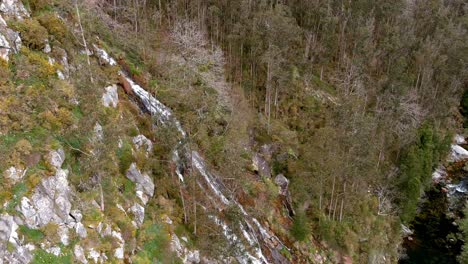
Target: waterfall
pixel 252 230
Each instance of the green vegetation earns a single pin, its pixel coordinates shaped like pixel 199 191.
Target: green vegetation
pixel 55 26
pixel 125 157
pixel 33 34
pixel 463 225
pixel 464 108
pixel 300 229
pixel 42 257
pixel 154 245
pixel 354 104
pixel 32 235
pixel 417 165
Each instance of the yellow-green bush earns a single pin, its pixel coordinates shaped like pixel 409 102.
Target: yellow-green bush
pixel 38 5
pixel 23 147
pixel 42 67
pixel 51 233
pixel 54 25
pixel 4 71
pixel 32 33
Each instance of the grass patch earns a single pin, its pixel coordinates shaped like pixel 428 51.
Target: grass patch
pixel 32 235
pixel 42 257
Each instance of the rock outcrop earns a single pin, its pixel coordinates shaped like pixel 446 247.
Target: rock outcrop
pixel 142 141
pixel 14 174
pixel 285 195
pixel 144 184
pixel 261 166
pixel 10 41
pixel 110 98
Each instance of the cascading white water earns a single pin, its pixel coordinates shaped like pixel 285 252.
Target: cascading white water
pixel 254 233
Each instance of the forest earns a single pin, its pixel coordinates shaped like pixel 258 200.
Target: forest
pixel 362 96
pixel 354 103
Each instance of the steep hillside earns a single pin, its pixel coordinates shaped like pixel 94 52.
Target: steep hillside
pixel 222 132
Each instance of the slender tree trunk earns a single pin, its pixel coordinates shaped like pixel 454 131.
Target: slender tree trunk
pixel 334 208
pixel 342 202
pixel 331 199
pixel 85 44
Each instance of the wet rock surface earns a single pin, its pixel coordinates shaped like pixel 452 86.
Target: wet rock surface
pixel 432 237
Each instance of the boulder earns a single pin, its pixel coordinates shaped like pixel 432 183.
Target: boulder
pixel 94 255
pixel 29 212
pixel 110 98
pixel 80 230
pixel 79 254
pixel 142 141
pixel 50 201
pixel 406 231
pixel 18 253
pixel 119 253
pixel 64 235
pixel 8 229
pixel 54 250
pixel 55 193
pixel 56 158
pixel 76 214
pixel 458 153
pixel 283 184
pixel 261 166
pixel 104 229
pixel 98 132
pixel 144 184
pixel 4 47
pixel 13 9
pixel 104 57
pixel 139 213
pixel 459 139
pixel 14 174
pixel 267 151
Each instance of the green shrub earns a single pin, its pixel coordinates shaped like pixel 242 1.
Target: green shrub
pixel 39 65
pixel 417 165
pixel 125 157
pixel 33 34
pixel 39 5
pixel 300 228
pixel 54 25
pixel 463 257
pixel 4 71
pixel 155 245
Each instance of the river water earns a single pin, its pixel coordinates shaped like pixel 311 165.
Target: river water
pixel 436 237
